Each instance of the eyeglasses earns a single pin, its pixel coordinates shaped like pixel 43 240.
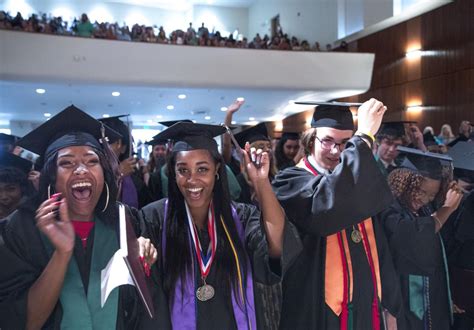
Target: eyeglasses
pixel 328 144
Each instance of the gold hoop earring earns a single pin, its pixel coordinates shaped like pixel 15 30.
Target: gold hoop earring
pixel 49 191
pixel 107 200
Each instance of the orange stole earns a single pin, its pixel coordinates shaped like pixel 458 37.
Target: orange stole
pixel 333 275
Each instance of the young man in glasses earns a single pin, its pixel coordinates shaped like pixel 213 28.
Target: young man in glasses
pixel 344 278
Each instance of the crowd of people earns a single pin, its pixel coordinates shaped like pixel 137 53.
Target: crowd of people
pixel 83 27
pixel 331 228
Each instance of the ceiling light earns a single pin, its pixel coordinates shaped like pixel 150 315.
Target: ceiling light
pixel 240 99
pixel 115 93
pixel 224 109
pixel 105 115
pixel 149 121
pixel 47 114
pixel 291 102
pixel 40 90
pixel 159 116
pixel 181 96
pixel 251 118
pixel 207 117
pixel 194 121
pixel 233 122
pixel 170 107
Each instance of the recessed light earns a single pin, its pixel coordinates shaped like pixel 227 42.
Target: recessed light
pixel 181 96
pixel 47 114
pixel 115 93
pixel 251 118
pixel 240 99
pixel 291 101
pixel 159 116
pixel 170 107
pixel 40 90
pixel 207 117
pixel 194 121
pixel 149 121
pixel 224 109
pixel 233 122
pixel 105 115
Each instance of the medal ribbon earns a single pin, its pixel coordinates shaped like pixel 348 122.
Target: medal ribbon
pixel 204 260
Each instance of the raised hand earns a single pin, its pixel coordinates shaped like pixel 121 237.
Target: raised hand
pixel 453 196
pixel 52 219
pixel 127 166
pixel 370 115
pixel 234 107
pixel 256 163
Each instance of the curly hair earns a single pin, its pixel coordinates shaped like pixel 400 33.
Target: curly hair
pixel 405 186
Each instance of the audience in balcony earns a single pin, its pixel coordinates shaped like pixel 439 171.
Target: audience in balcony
pixel 141 33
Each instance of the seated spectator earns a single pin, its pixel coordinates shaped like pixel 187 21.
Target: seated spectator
pixel 328 47
pixel 465 130
pixel 85 27
pixel 305 45
pixel 446 135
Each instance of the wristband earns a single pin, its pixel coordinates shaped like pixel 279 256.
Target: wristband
pixel 364 136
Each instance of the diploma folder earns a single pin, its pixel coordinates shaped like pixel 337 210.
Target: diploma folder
pixel 131 254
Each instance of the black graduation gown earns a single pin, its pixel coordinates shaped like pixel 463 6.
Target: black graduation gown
pixel 23 258
pixel 416 249
pixel 458 235
pixel 323 205
pixel 217 313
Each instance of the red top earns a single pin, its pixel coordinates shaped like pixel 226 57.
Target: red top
pixel 82 229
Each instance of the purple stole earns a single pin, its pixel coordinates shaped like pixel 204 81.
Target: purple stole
pixel 184 309
pixel 129 192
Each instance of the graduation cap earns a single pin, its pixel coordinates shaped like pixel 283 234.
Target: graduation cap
pixel 7 138
pixel 7 142
pixel 290 136
pixel 156 141
pixel 11 160
pixel 463 160
pixel 190 136
pixel 332 114
pixel 70 127
pixel 172 122
pixel 428 164
pixel 255 133
pixel 393 129
pixel 119 126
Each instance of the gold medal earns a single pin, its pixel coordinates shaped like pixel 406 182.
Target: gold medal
pixel 356 235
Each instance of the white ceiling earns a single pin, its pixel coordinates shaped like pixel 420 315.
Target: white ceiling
pixel 20 102
pixel 184 3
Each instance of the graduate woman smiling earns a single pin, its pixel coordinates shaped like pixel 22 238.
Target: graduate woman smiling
pixel 211 250
pixel 53 254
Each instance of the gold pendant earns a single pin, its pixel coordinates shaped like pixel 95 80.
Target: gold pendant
pixel 356 236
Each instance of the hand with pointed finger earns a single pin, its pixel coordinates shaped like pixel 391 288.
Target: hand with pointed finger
pixel 370 115
pixel 148 254
pixel 257 163
pixel 52 219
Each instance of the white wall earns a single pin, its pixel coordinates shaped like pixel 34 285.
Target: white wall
pixel 306 19
pixel 376 11
pixel 223 19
